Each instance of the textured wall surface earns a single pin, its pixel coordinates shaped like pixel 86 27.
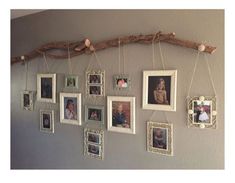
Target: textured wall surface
pixel 193 148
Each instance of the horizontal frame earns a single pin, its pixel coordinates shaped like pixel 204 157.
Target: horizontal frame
pixel 31 100
pixel 116 77
pixel 70 121
pixel 51 113
pixel 110 126
pixel 39 97
pixel 169 127
pixel 94 107
pixel 145 104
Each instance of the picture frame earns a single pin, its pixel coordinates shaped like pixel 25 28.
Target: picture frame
pixel 202 112
pixel 95 83
pixel 94 114
pixel 71 81
pixel 159 90
pixel 121 82
pixel 47 121
pixel 94 143
pixel 160 138
pixel 27 100
pixel 46 88
pixel 121 114
pixel 70 108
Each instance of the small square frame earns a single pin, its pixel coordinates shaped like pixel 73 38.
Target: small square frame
pixel 173 87
pixel 169 146
pixel 51 114
pixel 66 81
pixel 110 100
pixel 99 145
pixel 31 100
pixel 100 84
pixel 213 113
pixel 53 88
pixel 78 104
pixel 121 76
pixel 98 107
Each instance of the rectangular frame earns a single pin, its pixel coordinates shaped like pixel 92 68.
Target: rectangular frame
pixel 53 77
pixel 66 79
pixel 169 128
pixel 51 113
pixel 31 100
pixel 212 123
pixel 173 87
pixel 94 107
pixel 70 121
pixel 119 76
pixel 101 84
pixel 100 145
pixel 110 126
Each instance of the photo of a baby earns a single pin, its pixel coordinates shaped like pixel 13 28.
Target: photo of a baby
pixel 95 79
pixel 121 114
pixel 159 138
pixel 202 111
pixel 159 90
pixel 70 108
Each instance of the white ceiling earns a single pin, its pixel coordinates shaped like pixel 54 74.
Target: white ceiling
pixel 15 13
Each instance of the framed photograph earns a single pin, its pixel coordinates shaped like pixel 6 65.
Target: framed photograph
pixel 46 88
pixel 160 138
pixel 202 112
pixel 95 83
pixel 121 114
pixel 121 82
pixel 159 90
pixel 94 143
pixel 94 114
pixel 27 99
pixel 47 121
pixel 71 81
pixel 70 108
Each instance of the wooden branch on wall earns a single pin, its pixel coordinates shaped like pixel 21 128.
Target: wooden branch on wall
pixel 87 47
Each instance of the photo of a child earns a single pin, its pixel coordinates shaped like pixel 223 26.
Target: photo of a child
pixel 94 114
pixel 121 114
pixel 70 108
pixel 95 90
pixel 95 79
pixel 46 87
pixel 26 100
pixel 159 90
pixel 94 149
pixel 202 111
pixel 122 83
pixel 46 121
pixel 159 138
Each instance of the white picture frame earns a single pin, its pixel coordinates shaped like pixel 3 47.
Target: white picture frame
pixel 70 108
pixel 94 114
pixel 160 138
pixel 202 112
pixel 27 100
pixel 46 88
pixel 71 81
pixel 159 90
pixel 121 82
pixel 121 114
pixel 94 147
pixel 47 121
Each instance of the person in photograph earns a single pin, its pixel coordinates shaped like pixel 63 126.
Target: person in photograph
pixel 46 87
pixel 94 116
pixel 158 139
pixel 71 82
pixel 94 79
pixel 122 83
pixel 93 138
pixel 160 93
pixel 94 90
pixel 202 116
pixel 46 121
pixel 70 112
pixel 93 149
pixel 26 100
pixel 119 117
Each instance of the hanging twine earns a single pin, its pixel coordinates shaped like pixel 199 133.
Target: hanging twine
pixel 45 62
pixel 69 62
pixel 26 75
pixel 119 56
pixel 153 50
pixel 161 56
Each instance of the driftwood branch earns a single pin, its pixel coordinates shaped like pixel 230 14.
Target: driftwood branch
pixel 86 47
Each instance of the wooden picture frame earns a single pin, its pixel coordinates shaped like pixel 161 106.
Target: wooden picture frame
pixel 94 114
pixel 160 138
pixel 159 90
pixel 94 143
pixel 47 121
pixel 46 88
pixel 71 81
pixel 121 114
pixel 202 112
pixel 95 83
pixel 121 82
pixel 70 108
pixel 27 100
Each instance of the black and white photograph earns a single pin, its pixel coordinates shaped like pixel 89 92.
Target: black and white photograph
pixel 47 121
pixel 71 81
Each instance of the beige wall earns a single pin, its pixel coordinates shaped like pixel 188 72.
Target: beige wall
pixel 193 148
